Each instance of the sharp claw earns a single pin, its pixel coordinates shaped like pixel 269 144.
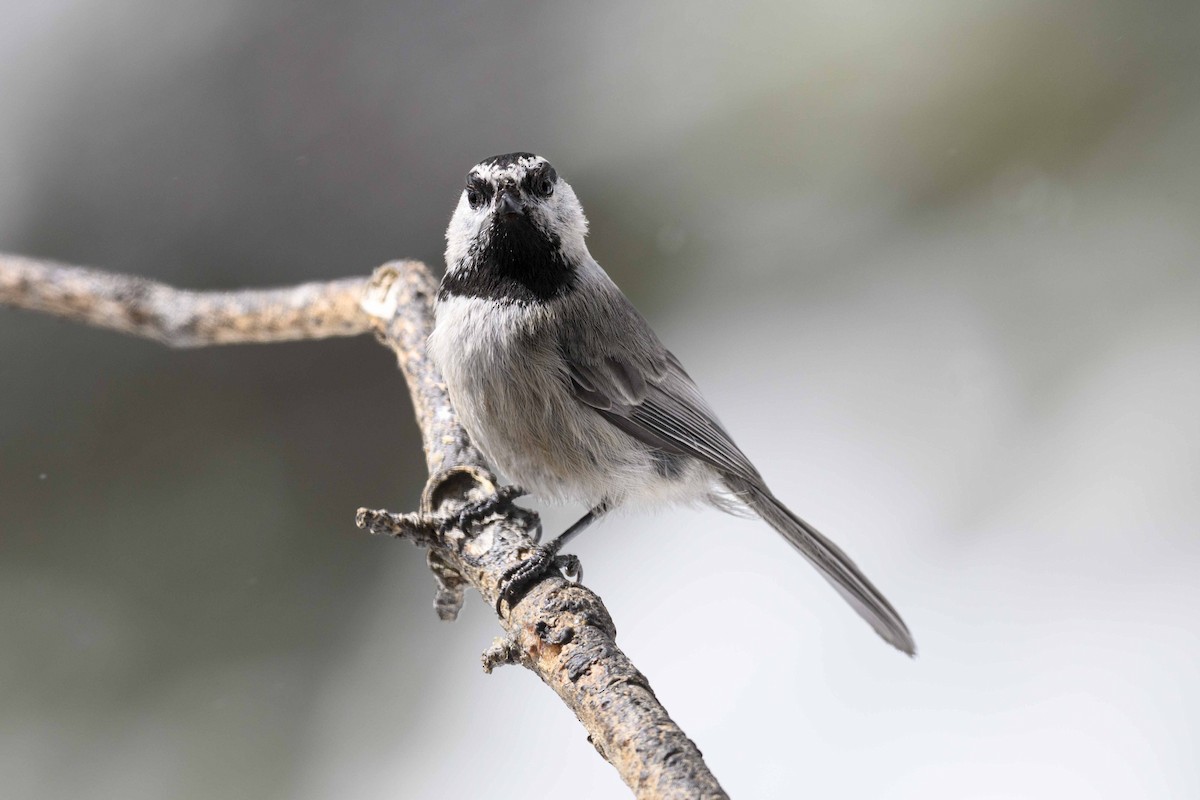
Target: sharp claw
pixel 474 512
pixel 519 577
pixel 570 566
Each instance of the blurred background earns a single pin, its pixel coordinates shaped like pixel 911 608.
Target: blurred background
pixel 934 262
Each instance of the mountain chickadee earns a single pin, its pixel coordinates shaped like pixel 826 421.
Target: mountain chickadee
pixel 566 389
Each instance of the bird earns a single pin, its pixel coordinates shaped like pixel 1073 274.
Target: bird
pixel 569 393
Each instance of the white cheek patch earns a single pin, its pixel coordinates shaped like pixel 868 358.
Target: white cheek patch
pixel 466 225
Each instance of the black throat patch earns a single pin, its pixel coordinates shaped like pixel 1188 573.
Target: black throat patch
pixel 519 264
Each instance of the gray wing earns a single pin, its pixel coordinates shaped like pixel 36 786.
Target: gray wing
pixel 656 402
pixel 640 387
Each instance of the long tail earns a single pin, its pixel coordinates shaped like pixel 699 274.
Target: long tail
pixel 826 556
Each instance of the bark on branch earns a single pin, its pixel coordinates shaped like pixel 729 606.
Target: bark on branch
pixel 559 630
pixel 182 318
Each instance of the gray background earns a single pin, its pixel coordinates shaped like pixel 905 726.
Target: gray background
pixel 934 262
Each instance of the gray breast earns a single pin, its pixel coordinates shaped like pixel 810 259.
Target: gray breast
pixel 506 379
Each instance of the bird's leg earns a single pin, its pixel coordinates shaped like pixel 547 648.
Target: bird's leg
pixel 518 578
pixel 478 510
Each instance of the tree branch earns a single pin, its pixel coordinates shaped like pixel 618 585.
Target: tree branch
pixel 182 318
pixel 559 630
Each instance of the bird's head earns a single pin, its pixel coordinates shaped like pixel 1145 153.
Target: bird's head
pixel 518 231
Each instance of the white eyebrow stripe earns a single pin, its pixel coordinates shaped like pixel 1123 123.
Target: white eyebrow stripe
pixel 515 171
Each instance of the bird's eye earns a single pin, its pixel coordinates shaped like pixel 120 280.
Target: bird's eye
pixel 474 197
pixel 545 186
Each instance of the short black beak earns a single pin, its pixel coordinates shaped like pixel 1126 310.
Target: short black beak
pixel 509 206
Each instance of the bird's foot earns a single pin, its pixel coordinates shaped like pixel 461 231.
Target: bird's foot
pixel 518 578
pixel 480 509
